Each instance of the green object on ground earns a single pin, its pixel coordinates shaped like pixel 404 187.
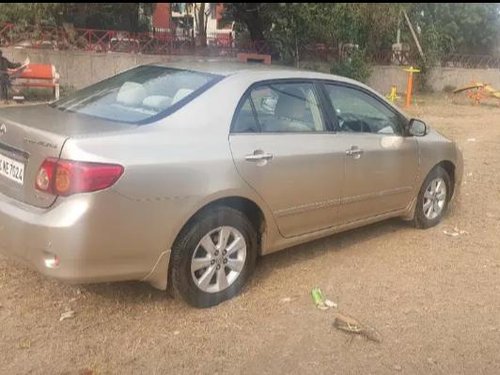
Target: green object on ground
pixel 317 296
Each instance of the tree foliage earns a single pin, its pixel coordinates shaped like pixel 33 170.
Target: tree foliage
pixel 114 16
pixel 355 67
pixel 255 18
pixel 108 16
pixel 24 14
pixel 466 28
pixel 444 27
pixel 457 27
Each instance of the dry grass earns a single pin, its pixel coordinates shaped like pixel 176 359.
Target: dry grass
pixel 433 298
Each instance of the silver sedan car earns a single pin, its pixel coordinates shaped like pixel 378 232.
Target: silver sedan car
pixel 184 176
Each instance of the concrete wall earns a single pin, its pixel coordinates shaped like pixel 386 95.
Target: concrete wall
pixel 383 77
pixel 457 77
pixel 80 69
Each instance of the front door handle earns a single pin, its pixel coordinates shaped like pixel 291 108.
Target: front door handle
pixel 355 152
pixel 258 156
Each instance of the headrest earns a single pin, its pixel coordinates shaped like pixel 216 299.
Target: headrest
pixel 157 102
pixel 131 93
pixel 291 104
pixel 181 94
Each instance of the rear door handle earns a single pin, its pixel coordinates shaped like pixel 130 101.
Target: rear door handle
pixel 258 156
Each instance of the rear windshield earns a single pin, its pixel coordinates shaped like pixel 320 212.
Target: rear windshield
pixel 138 95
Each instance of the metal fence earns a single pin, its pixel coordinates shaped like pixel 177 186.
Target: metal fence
pixel 388 57
pixel 154 43
pixel 471 61
pixel 218 44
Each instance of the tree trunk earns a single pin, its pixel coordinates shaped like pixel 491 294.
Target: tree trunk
pixel 248 14
pixel 297 60
pixel 133 18
pixel 202 27
pixel 254 25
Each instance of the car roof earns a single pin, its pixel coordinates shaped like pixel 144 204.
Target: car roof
pixel 255 70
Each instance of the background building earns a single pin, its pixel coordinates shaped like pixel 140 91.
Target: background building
pixel 180 19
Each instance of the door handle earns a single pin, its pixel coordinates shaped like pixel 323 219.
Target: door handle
pixel 258 156
pixel 355 152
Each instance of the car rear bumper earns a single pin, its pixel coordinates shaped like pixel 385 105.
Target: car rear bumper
pixel 91 235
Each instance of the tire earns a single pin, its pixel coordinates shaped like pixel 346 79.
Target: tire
pixel 192 285
pixel 423 217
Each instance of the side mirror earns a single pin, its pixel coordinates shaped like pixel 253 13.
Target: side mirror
pixel 417 128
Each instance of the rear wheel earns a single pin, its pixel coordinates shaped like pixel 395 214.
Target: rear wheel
pixel 213 257
pixel 433 199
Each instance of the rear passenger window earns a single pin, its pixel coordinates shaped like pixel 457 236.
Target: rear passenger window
pixel 281 107
pixel 245 121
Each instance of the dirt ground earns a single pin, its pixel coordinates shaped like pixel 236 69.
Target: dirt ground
pixel 435 299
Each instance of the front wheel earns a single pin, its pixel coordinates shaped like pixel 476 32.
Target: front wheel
pixel 213 257
pixel 433 199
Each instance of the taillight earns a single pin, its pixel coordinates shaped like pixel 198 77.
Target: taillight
pixel 66 177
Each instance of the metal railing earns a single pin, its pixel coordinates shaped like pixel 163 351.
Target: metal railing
pixel 471 61
pixel 220 43
pixel 390 57
pixel 94 40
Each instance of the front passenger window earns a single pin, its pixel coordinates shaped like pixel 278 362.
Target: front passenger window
pixel 361 113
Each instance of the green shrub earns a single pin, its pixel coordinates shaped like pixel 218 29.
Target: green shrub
pixel 355 67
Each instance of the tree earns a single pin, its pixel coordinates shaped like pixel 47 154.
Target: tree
pixel 256 18
pixel 290 31
pixel 23 14
pixel 201 15
pixel 292 26
pixel 459 28
pixel 454 28
pixel 107 16
pixel 121 16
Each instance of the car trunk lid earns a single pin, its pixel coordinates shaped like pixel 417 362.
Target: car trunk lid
pixel 29 135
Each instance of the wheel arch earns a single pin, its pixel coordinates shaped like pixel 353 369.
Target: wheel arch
pixel 449 167
pixel 245 205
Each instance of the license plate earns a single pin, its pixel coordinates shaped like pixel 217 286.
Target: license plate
pixel 12 169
